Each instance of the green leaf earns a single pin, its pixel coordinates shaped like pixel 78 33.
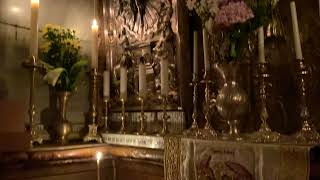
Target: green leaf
pixel 75 72
pixel 53 75
pixel 45 65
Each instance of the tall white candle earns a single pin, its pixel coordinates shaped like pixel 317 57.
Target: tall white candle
pixel 106 83
pixel 296 36
pixel 142 80
pixel 262 58
pixel 34 28
pixel 206 50
pixel 195 53
pixel 164 75
pixel 123 82
pixel 94 50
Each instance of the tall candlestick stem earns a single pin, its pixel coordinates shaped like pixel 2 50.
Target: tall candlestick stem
pixel 165 116
pixel 308 133
pixel 93 110
pixel 207 132
pixel 106 116
pixel 123 117
pixel 141 130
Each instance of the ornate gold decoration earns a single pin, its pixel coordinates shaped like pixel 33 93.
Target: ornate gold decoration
pixel 106 115
pixel 307 134
pixel 142 118
pixel 123 116
pixel 165 116
pixel 38 133
pixel 194 129
pixel 207 132
pixel 172 151
pixel 93 113
pixel 264 134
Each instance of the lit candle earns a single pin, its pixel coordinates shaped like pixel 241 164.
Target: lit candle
pixel 94 50
pixel 195 53
pixel 142 79
pixel 34 28
pixel 106 83
pixel 123 82
pixel 296 36
pixel 164 77
pixel 98 156
pixel 206 50
pixel 262 58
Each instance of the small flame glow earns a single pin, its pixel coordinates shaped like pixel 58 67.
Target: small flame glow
pixel 98 156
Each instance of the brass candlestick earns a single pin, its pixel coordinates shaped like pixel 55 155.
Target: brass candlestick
pixel 308 134
pixel 37 131
pixel 264 134
pixel 142 118
pixel 106 115
pixel 123 116
pixel 165 116
pixel 207 132
pixel 93 113
pixel 194 129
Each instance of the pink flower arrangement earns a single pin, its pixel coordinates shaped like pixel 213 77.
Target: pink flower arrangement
pixel 233 13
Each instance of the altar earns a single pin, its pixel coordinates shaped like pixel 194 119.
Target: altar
pixel 181 158
pixel 192 159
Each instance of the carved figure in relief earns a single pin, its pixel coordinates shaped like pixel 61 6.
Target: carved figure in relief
pixel 147 24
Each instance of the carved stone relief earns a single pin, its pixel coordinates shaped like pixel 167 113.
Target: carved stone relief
pixel 143 29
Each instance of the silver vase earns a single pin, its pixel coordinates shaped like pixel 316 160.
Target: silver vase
pixel 232 100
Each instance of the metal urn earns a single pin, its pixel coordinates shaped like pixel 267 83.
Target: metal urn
pixel 231 101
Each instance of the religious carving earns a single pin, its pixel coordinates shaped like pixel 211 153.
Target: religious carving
pixel 146 30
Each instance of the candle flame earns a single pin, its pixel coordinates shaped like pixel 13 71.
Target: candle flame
pixel 94 22
pixel 34 1
pixel 98 156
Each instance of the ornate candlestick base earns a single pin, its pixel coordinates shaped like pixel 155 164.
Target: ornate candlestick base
pixel 141 130
pixel 308 134
pixel 93 135
pixel 37 131
pixel 193 131
pixel 93 114
pixel 38 134
pixel 264 134
pixel 123 117
pixel 207 132
pixel 165 117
